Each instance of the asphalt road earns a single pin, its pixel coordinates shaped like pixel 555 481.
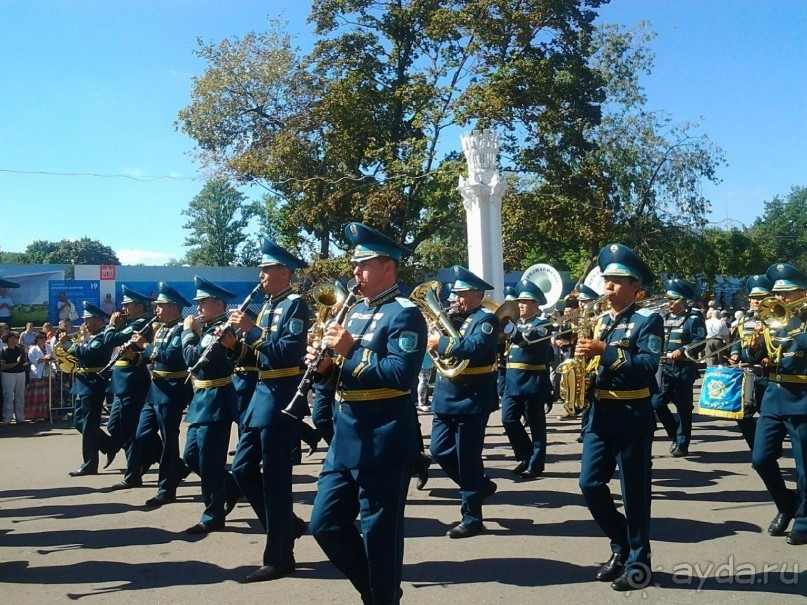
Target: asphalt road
pixel 66 539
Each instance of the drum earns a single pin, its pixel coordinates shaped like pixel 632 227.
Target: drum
pixel 726 392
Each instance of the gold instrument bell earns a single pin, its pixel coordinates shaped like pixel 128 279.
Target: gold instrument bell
pixel 67 363
pixel 426 297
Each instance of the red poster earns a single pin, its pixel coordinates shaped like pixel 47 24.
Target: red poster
pixel 108 272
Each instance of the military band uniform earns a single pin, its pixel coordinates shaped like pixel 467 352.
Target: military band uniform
pixel 211 413
pixel 129 385
pixel 528 388
pixel 367 469
pixel 89 387
pixel 784 412
pixel 245 379
pixel 678 375
pixel 463 404
pixel 621 424
pixel 278 339
pixel 322 410
pixel 170 393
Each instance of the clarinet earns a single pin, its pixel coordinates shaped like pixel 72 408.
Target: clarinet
pixel 298 407
pixel 122 349
pixel 203 358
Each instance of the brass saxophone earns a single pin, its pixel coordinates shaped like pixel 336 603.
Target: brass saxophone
pixel 572 372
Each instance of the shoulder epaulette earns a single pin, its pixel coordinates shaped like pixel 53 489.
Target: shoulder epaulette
pixel 405 302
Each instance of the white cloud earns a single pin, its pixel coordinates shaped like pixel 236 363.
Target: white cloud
pixel 145 257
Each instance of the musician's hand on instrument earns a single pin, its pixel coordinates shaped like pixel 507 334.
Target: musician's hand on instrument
pixel 190 323
pixel 338 339
pixel 116 319
pixel 589 347
pixel 241 320
pixel 228 340
pixel 128 353
pixel 432 342
pixel 139 341
pixel 312 352
pixel 766 363
pixel 734 359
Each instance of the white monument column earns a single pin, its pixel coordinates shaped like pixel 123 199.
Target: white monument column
pixel 482 195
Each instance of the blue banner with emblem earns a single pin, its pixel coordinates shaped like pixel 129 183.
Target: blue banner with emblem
pixel 724 392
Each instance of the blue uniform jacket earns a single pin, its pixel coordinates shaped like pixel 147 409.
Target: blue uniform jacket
pixel 680 331
pixel 169 384
pixel 130 376
pixel 528 361
pixel 92 355
pixel 474 390
pixel 375 420
pixel 216 403
pixel 786 393
pixel 625 377
pixel 279 340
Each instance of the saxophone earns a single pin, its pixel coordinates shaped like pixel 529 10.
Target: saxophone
pixel 572 372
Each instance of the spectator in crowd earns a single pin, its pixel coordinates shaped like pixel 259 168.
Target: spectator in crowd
pixel 65 325
pixel 47 328
pixel 28 337
pixel 39 394
pixel 716 336
pixel 67 310
pixel 423 384
pixel 12 363
pixel 108 306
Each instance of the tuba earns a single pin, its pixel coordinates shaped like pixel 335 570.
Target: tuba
pixel 426 297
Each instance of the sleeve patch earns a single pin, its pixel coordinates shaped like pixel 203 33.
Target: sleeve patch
pixel 296 326
pixel 487 328
pixel 176 341
pixel 127 330
pixel 95 344
pixel 408 341
pixel 654 344
pixel 206 340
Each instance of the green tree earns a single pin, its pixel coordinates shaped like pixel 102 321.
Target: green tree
pixel 83 251
pixel 781 231
pixel 218 219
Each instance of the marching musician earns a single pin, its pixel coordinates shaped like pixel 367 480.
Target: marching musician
pixel 277 338
pixel 157 435
pixel 683 328
pixel 129 384
pixel 784 406
pixel 462 404
pixel 213 408
pixel 758 288
pixel 367 469
pixel 501 349
pixel 89 386
pixel 585 295
pixel 528 390
pixel 620 426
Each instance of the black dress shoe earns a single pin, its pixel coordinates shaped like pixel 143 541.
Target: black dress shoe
pixel 232 500
pixel 81 472
pixel 300 527
pixel 529 475
pixel 184 472
pixel 580 439
pixel 797 538
pixel 778 526
pixel 680 452
pixel 312 449
pixel 124 485
pixel 673 446
pixel 520 467
pixel 423 478
pixel 110 457
pixel 203 528
pixel 611 569
pixel 159 500
pixel 490 490
pixel 464 531
pixel 270 572
pixel 633 579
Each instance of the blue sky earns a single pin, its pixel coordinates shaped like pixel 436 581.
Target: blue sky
pixel 93 87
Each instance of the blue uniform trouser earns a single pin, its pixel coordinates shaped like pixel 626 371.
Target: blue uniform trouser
pixel 157 439
pixel 206 455
pixel 530 450
pixel 322 412
pixel 456 445
pixel 269 492
pixel 629 533
pixel 87 421
pixel 372 559
pixel 124 416
pixel 771 429
pixel 679 392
